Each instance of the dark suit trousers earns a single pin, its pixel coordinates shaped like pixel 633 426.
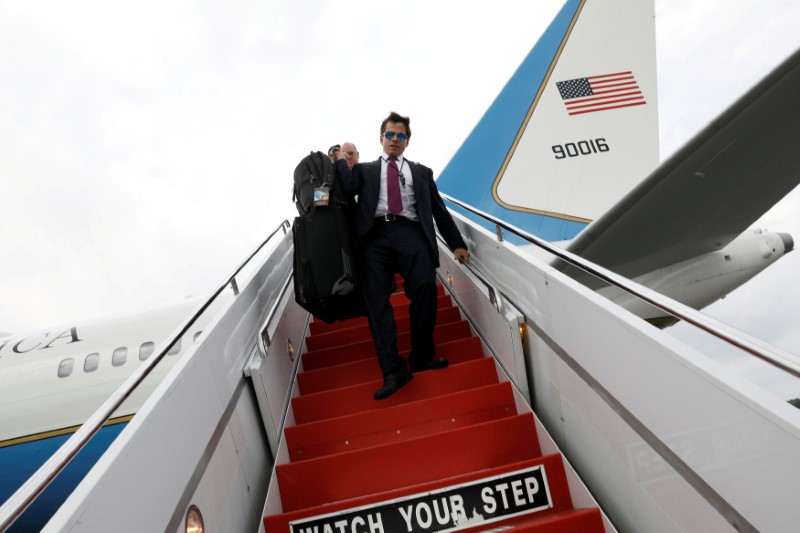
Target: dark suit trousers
pixel 398 247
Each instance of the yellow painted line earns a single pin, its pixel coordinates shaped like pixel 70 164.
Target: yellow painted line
pixel 58 432
pixel 513 148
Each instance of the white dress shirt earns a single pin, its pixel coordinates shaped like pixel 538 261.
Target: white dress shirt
pixel 406 189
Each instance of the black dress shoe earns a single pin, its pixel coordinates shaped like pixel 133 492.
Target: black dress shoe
pixel 392 383
pixel 433 364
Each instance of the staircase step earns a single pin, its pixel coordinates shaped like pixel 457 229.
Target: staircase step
pixel 315 359
pixel 365 370
pixel 400 423
pixel 362 333
pixel 577 521
pixel 356 398
pixel 552 464
pixel 383 468
pixel 401 310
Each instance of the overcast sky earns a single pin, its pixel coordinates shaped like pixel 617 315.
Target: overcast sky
pixel 147 147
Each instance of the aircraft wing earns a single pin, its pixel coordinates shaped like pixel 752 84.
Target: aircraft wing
pixel 712 189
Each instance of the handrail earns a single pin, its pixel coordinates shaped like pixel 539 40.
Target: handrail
pixel 274 309
pixel 30 490
pixel 495 296
pixel 773 355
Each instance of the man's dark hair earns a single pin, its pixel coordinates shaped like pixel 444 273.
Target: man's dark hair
pixel 396 117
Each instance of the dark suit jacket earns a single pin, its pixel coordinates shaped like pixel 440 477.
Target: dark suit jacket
pixel 364 180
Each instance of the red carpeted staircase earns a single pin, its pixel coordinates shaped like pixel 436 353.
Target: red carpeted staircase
pixel 444 451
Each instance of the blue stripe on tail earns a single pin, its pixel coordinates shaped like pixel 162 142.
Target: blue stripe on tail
pixel 471 173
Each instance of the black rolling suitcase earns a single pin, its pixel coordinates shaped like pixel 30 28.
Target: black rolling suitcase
pixel 325 281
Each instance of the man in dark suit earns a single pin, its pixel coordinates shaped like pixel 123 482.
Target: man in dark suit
pixel 397 202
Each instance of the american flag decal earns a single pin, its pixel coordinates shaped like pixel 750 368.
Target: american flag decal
pixel 600 93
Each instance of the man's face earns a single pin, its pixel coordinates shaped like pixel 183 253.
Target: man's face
pixel 350 152
pixel 394 147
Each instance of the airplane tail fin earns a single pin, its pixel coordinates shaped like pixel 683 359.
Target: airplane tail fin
pixel 574 129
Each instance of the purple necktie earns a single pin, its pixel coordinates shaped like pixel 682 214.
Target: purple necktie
pixel 393 188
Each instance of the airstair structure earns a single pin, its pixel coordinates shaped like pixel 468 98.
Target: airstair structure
pixel 449 444
pixel 560 411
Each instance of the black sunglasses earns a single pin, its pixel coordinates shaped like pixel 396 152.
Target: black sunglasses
pixel 400 136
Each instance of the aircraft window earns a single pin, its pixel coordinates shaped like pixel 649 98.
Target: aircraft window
pixel 119 356
pixel 145 350
pixel 65 367
pixel 175 349
pixel 197 335
pixel 91 363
